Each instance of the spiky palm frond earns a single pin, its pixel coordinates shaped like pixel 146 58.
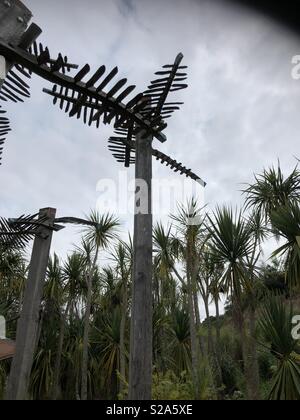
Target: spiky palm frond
pixel 272 190
pixel 54 281
pixel 180 340
pixel 103 231
pixel 122 256
pixel 73 274
pixel 106 337
pixel 17 233
pixel 231 242
pixel 189 214
pixel 257 224
pixel 162 242
pixel 286 221
pixel 276 324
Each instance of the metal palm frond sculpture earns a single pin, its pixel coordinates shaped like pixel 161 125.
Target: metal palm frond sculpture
pixel 17 233
pixel 157 109
pixel 87 99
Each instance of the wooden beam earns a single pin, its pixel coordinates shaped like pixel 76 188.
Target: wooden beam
pixel 27 330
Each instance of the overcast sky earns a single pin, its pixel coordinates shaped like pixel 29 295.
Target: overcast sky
pixel 241 109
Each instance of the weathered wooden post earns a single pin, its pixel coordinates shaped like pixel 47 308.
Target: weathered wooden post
pixel 14 19
pixel 26 340
pixel 140 376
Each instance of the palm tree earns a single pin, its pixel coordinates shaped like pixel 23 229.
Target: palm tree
pixel 123 258
pixel 275 324
pixel 272 190
pixel 53 290
pixel 286 221
pixel 231 242
pixel 205 279
pixel 180 344
pixel 216 291
pixel 72 271
pixel 106 338
pixel 98 237
pixel 191 237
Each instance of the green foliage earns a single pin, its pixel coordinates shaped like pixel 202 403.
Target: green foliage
pixel 180 344
pixel 286 221
pixel 272 190
pixel 276 325
pixel 191 262
pixel 231 241
pixel 172 387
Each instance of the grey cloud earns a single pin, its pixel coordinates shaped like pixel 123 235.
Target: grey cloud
pixel 240 112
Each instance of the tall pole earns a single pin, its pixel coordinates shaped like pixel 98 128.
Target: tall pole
pixel 3 69
pixel 27 330
pixel 140 375
pixel 14 19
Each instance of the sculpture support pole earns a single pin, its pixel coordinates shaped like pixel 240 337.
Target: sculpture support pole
pixel 140 375
pixel 14 19
pixel 3 69
pixel 26 341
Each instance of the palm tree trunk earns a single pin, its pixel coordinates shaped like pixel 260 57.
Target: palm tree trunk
pixel 214 349
pixel 85 346
pixel 178 276
pixel 209 329
pixel 198 323
pixel 241 328
pixel 218 325
pixel 122 336
pixel 254 380
pixel 56 374
pixel 194 342
pixel 197 311
pixel 192 317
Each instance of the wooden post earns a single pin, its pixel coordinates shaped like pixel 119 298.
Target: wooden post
pixel 3 69
pixel 140 375
pixel 14 19
pixel 26 340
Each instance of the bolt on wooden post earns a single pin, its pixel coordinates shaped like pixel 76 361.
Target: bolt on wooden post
pixel 140 376
pixel 27 330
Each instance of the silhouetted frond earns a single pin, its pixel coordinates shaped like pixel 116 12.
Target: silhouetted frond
pixel 4 130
